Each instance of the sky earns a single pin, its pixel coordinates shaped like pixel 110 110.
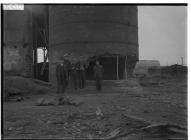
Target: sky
pixel 163 34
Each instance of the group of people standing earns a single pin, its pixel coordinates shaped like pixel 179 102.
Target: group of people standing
pixel 76 73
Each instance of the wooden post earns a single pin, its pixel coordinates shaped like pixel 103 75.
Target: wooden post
pixel 35 62
pixel 117 68
pixel 44 55
pixel 36 49
pixel 182 61
pixel 125 67
pixel 35 46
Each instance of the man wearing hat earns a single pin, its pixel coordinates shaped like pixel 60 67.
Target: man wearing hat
pixel 98 73
pixel 74 75
pixel 61 75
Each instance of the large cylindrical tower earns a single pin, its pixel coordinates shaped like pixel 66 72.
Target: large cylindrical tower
pixel 91 30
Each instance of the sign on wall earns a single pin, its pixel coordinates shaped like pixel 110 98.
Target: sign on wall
pixel 13 6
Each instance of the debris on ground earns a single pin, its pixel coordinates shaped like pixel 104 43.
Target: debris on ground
pixel 14 91
pixel 67 100
pixel 10 128
pixel 157 131
pixel 150 131
pixel 23 86
pixel 19 128
pixel 40 82
pixel 19 99
pixel 90 137
pixel 119 116
pixel 85 125
pixel 112 134
pixel 166 127
pixel 59 101
pixel 40 101
pixel 99 113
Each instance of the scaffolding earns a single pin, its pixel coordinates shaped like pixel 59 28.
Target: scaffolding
pixel 40 37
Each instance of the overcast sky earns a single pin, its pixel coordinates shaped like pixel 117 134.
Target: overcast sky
pixel 163 33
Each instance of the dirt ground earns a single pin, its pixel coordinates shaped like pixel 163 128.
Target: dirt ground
pixel 122 110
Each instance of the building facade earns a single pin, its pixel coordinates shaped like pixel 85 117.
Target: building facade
pixel 17 42
pixel 21 38
pixel 108 33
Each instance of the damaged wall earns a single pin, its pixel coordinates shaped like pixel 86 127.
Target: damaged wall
pixel 17 60
pixel 17 42
pixel 90 31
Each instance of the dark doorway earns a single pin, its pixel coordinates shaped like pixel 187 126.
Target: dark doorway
pixel 41 64
pixel 44 75
pixel 110 68
pixel 121 67
pixel 89 70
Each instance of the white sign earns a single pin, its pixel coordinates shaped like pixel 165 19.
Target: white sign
pixel 13 6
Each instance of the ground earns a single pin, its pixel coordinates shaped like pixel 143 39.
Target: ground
pixel 121 109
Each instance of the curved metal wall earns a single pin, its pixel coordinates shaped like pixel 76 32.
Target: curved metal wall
pixel 92 30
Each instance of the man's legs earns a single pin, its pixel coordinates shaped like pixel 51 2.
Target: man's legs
pixel 100 84
pixel 75 81
pixel 80 79
pixel 58 86
pixel 97 83
pixel 64 82
pixel 83 79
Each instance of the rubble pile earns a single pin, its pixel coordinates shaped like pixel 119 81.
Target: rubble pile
pixel 66 100
pixel 104 125
pixel 174 70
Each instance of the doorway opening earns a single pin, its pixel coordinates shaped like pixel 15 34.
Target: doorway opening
pixel 40 42
pixel 42 64
pixel 114 67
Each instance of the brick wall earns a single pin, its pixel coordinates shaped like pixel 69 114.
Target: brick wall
pixel 17 43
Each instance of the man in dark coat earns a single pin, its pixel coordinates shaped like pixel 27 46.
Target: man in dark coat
pixel 74 76
pixel 62 76
pixel 98 73
pixel 82 77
